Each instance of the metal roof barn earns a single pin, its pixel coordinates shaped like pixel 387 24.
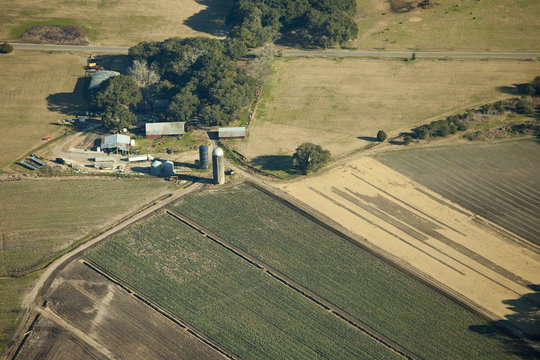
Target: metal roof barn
pixel 101 76
pixel 232 132
pixel 116 142
pixel 154 130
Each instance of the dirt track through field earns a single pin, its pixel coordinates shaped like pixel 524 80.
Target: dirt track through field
pixel 427 232
pixel 340 313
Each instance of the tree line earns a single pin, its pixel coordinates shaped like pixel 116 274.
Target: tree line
pixel 321 23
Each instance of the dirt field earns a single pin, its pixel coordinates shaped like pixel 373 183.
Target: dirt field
pixel 487 25
pixel 87 315
pixel 341 104
pixel 32 82
pixel 121 23
pixel 41 217
pixel 500 181
pixel 476 261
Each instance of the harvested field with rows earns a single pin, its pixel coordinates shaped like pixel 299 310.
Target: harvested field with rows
pixel 88 317
pixel 468 257
pixel 228 299
pixel 340 104
pixel 399 307
pixel 500 181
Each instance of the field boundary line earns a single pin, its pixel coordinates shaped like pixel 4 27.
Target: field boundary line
pixel 394 261
pixel 160 309
pixel 325 304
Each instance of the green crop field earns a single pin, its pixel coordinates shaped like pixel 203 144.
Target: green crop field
pixel 473 25
pixel 228 299
pixel 41 217
pixel 398 306
pixel 499 181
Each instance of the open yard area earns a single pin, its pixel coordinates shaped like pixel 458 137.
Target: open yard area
pixel 475 261
pixel 237 305
pixel 341 104
pixel 418 318
pixel 500 181
pixel 37 89
pixel 120 22
pixel 486 25
pixel 41 217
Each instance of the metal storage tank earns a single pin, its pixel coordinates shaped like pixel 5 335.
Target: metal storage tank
pixel 218 164
pixel 155 168
pixel 168 168
pixel 203 157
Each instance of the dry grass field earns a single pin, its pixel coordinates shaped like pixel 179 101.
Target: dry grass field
pixel 341 104
pixel 28 79
pixel 41 217
pixel 119 22
pixel 89 317
pixel 486 25
pixel 470 257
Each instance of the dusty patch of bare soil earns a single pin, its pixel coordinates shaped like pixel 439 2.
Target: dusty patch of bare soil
pixel 90 316
pixel 53 34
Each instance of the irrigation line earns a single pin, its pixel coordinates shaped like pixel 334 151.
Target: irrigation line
pixel 325 304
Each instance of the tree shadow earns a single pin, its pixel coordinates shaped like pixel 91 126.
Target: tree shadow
pixel 274 163
pixel 515 89
pixel 524 323
pixel 70 103
pixel 367 138
pixel 210 20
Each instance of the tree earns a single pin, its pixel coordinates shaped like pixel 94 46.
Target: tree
pixel 536 85
pixel 118 117
pixel 407 140
pixel 183 105
pixel 310 157
pixel 260 68
pixel 413 56
pixel 118 90
pixel 5 48
pixel 381 136
pixel 144 76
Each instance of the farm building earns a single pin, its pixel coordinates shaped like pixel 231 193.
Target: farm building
pixel 104 162
pixel 156 130
pixel 116 143
pixel 232 133
pixel 99 77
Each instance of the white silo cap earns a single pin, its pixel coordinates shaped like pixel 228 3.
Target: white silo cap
pixel 217 152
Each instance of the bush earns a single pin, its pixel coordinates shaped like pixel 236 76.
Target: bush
pixel 381 136
pixel 453 129
pixel 5 48
pixel 461 127
pixel 524 107
pixel 407 140
pixel 422 132
pixel 499 107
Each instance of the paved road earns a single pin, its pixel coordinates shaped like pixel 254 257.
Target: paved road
pixel 407 54
pixel 310 53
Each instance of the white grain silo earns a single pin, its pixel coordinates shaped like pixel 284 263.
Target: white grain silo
pixel 155 168
pixel 218 166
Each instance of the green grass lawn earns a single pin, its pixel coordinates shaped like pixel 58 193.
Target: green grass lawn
pixel 398 306
pixel 228 299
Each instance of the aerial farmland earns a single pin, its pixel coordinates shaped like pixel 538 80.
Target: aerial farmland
pixel 353 179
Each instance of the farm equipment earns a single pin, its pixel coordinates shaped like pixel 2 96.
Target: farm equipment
pixel 47 138
pixel 173 178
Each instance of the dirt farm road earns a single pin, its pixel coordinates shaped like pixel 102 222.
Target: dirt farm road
pixel 309 53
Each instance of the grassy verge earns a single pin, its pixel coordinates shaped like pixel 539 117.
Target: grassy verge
pixel 152 146
pixel 401 308
pixel 229 300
